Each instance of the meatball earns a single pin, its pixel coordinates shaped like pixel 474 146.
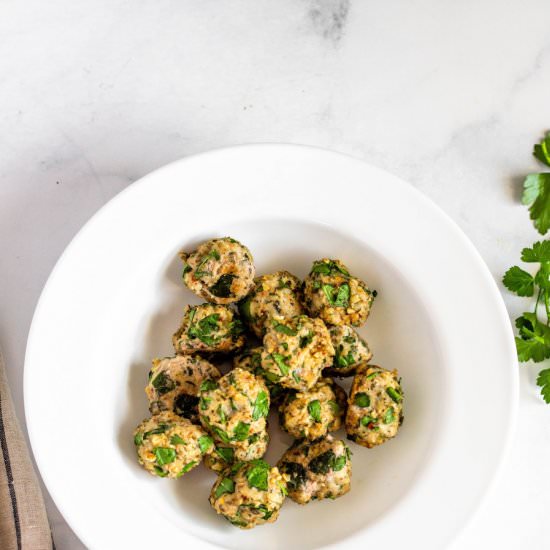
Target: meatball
pixel 375 406
pixel 249 494
pixel 314 413
pixel 274 296
pixel 251 360
pixel 208 328
pixel 317 469
pixel 296 351
pixel 170 446
pixel 220 270
pixel 174 384
pixel 331 293
pixel 234 411
pixel 350 350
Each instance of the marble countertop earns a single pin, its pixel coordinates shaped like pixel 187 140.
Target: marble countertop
pixel 448 95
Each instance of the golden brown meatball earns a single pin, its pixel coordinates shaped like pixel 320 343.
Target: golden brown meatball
pixel 317 469
pixel 314 413
pixel 274 296
pixel 249 494
pixel 296 351
pixel 337 297
pixel 174 384
pixel 170 446
pixel 234 411
pixel 375 406
pixel 350 350
pixel 220 270
pixel 208 328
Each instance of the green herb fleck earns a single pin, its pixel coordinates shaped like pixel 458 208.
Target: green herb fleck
pixel 314 410
pixel 177 440
pixel 222 287
pixel 240 433
pixel 261 406
pixel 164 455
pixel 205 442
pixel 389 416
pixel 362 400
pixel 284 329
pixel 280 361
pixel 257 475
pixel 227 485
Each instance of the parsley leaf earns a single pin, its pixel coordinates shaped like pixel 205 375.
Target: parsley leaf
pixel 261 406
pixel 533 342
pixel 541 151
pixel 314 410
pixel 279 327
pixel 227 485
pixel 164 455
pixel 257 475
pixel 205 442
pixel 543 380
pixel 280 361
pixel 240 433
pixel 539 252
pixel 519 281
pixel 536 195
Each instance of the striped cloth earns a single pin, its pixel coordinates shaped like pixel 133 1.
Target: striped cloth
pixel 23 521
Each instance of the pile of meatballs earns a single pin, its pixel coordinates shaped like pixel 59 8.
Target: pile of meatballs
pixel 287 340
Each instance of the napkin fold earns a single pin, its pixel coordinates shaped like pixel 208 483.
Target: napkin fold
pixel 23 520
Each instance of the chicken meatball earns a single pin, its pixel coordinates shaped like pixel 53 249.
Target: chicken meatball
pixel 317 469
pixel 375 406
pixel 296 351
pixel 249 494
pixel 170 446
pixel 350 350
pixel 234 411
pixel 208 328
pixel 274 296
pixel 330 292
pixel 174 384
pixel 251 360
pixel 314 413
pixel 220 271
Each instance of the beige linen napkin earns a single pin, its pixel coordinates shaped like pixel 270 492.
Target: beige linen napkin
pixel 23 520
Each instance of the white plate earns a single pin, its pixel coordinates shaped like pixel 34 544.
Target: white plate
pixel 115 297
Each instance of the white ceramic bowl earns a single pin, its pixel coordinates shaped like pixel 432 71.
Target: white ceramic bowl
pixel 115 298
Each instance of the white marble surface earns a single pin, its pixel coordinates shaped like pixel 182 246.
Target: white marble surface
pixel 449 95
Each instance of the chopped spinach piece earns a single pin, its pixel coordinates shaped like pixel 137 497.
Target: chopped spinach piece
pixel 225 453
pixel 323 463
pixel 221 414
pixel 314 410
pixel 227 485
pixel 297 379
pixel 284 329
pixel 187 467
pixel 163 383
pixel 261 406
pixel 138 439
pixel 297 474
pixel 214 254
pixel 240 433
pixel 177 440
pixel 204 328
pixel 306 340
pixel 159 471
pixel 205 442
pixel 280 361
pixel 160 430
pixel 221 434
pixel 222 287
pixel 164 455
pixel 257 475
pixel 208 385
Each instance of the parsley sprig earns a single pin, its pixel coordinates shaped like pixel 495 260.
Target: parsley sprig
pixel 533 339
